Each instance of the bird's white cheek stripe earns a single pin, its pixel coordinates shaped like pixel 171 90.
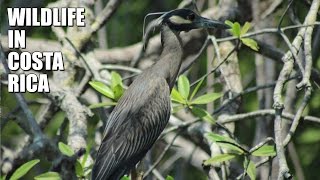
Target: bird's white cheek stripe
pixel 179 20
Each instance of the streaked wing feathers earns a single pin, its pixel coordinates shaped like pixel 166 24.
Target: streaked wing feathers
pixel 133 127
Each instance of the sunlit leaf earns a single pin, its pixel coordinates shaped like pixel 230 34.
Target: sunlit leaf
pixel 118 91
pixel 245 28
pixel 169 178
pixel 207 98
pixel 79 169
pixel 219 158
pixel 251 170
pixel 235 148
pixel 176 96
pixel 125 177
pixel 265 150
pixel 115 79
pixel 48 176
pixel 196 89
pixel 86 155
pixel 183 86
pixel 65 149
pixel 103 104
pixel 88 169
pixel 236 29
pixel 229 23
pixel 251 43
pixel 24 169
pixel 102 88
pixel 226 142
pixel 217 138
pixel 203 114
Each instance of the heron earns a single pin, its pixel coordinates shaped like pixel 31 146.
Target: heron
pixel 143 111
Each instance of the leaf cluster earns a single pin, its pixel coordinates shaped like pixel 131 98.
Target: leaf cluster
pixel 237 150
pixel 113 92
pixel 238 31
pixel 183 97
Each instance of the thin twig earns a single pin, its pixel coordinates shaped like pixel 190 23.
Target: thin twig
pixel 278 104
pixel 265 112
pixel 121 68
pixel 308 52
pixel 294 51
pixel 214 69
pixel 275 5
pixel 161 156
pixel 267 30
pixel 248 90
pixel 105 15
pixel 256 147
pixel 31 122
pixel 298 115
pixel 187 64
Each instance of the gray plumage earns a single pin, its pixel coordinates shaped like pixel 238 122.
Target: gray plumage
pixel 144 109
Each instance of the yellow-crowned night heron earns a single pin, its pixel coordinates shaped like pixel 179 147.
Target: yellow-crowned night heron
pixel 144 109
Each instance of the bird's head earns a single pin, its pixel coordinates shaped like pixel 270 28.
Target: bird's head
pixel 186 20
pixel 179 20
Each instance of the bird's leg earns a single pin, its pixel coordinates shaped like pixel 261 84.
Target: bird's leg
pixel 134 173
pixel 140 176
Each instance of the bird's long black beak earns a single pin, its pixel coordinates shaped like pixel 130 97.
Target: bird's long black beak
pixel 202 22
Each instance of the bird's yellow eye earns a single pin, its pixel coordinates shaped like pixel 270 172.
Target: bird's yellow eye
pixel 191 17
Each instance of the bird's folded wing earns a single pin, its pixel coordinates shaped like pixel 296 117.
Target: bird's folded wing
pixel 131 129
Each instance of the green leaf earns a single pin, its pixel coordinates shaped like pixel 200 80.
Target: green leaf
pixel 251 170
pixel 245 28
pixel 226 142
pixel 125 177
pixel 65 149
pixel 176 96
pixel 265 150
pixel 183 86
pixel 79 169
pixel 217 137
pixel 48 176
pixel 115 79
pixel 169 177
pixel 236 29
pixel 116 85
pixel 207 98
pixel 251 43
pixel 203 114
pixel 85 156
pixel 219 158
pixel 196 89
pixel 229 23
pixel 103 104
pixel 118 91
pixel 102 88
pixel 22 170
pixel 231 146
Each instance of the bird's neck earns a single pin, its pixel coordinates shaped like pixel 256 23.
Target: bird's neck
pixel 171 57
